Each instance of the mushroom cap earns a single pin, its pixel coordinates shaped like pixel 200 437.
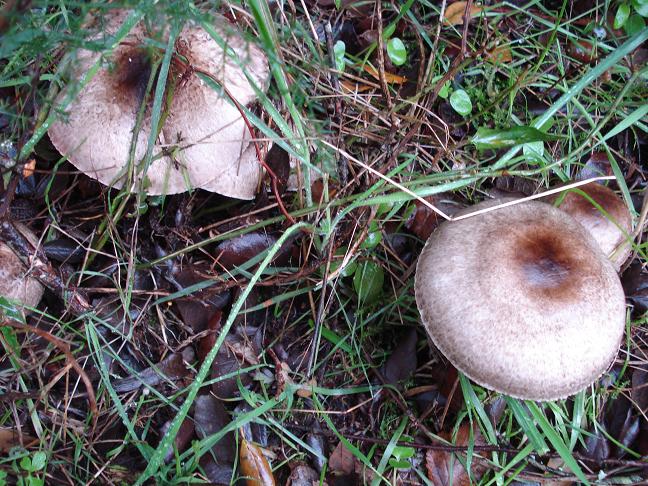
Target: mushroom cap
pixel 204 135
pixel 521 300
pixel 15 284
pixel 607 234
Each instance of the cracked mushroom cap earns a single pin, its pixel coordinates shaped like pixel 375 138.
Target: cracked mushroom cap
pixel 204 141
pixel 521 300
pixel 610 234
pixel 15 284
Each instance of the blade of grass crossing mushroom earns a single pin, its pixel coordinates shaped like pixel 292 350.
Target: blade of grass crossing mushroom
pixel 623 50
pixel 561 448
pixel 265 24
pixel 133 18
pixel 157 457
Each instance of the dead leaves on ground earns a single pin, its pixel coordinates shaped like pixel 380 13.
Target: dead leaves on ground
pixel 454 13
pixel 446 469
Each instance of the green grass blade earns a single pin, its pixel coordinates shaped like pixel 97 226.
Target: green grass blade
pixel 623 50
pixel 561 448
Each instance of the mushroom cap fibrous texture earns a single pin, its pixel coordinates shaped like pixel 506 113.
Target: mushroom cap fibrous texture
pixel 610 231
pixel 204 141
pixel 15 283
pixel 521 300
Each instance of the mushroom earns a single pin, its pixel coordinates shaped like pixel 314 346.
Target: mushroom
pixel 610 231
pixel 204 141
pixel 522 300
pixel 15 284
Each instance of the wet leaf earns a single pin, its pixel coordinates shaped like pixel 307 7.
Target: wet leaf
pixel 401 364
pixel 423 220
pixel 487 138
pixel 583 51
pixel 64 250
pixel 445 469
pixel 302 475
pixel 597 447
pixel 236 251
pixel 170 369
pixel 200 305
pixel 460 102
pixel 596 165
pixel 210 417
pixel 182 438
pixel 254 465
pixel 639 391
pixel 396 51
pixel 454 13
pixel 368 282
pixel 635 286
pixel 279 162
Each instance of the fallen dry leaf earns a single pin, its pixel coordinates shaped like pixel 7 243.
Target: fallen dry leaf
pixel 254 466
pixel 351 87
pixel 445 469
pixel 9 438
pixel 342 460
pixel 389 77
pixel 454 13
pixel 500 55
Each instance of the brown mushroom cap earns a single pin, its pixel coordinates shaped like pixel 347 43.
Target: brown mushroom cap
pixel 610 237
pixel 204 135
pixel 15 284
pixel 521 300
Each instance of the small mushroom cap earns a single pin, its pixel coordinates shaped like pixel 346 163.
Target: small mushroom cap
pixel 610 237
pixel 521 300
pixel 203 136
pixel 15 284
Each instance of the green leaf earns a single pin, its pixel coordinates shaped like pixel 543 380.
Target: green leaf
pixel 39 460
pixel 533 150
pixel 487 138
pixel 641 6
pixel 25 464
pixel 374 237
pixel 368 282
pixel 634 25
pixel 396 51
pixel 339 50
pixel 460 102
pixel 444 92
pixel 622 14
pixel 402 452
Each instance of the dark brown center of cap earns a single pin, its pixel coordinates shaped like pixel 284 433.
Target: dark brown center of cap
pixel 547 264
pixel 131 75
